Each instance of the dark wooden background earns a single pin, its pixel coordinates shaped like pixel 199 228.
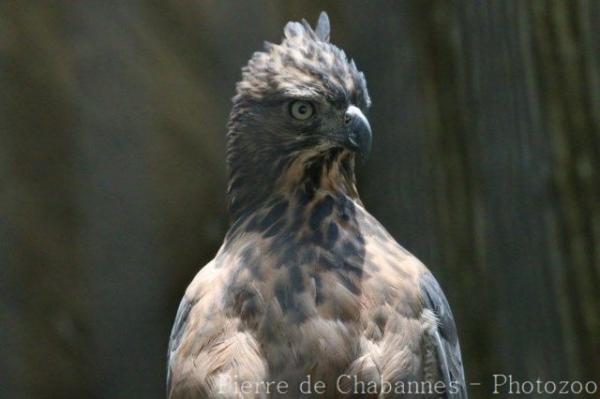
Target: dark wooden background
pixel 486 162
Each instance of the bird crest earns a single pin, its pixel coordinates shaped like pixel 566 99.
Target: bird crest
pixel 321 31
pixel 304 65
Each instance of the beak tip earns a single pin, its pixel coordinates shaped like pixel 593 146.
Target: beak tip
pixel 364 152
pixel 360 137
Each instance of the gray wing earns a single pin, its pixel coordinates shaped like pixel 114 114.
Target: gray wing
pixel 445 339
pixel 178 328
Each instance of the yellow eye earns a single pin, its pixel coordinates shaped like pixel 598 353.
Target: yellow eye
pixel 301 110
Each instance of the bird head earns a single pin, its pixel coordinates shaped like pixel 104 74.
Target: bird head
pixel 302 99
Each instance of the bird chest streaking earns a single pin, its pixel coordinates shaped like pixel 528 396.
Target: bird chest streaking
pixel 309 296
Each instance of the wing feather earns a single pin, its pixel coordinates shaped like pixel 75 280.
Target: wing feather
pixel 181 320
pixel 445 338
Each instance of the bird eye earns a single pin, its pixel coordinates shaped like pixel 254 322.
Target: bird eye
pixel 301 110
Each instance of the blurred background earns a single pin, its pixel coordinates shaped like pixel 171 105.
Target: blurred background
pixel 112 174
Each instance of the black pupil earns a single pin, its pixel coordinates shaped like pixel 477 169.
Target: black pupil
pixel 302 109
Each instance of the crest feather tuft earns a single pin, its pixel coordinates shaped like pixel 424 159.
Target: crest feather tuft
pixel 323 27
pixel 293 29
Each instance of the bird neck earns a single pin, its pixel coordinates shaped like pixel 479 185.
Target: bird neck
pixel 301 176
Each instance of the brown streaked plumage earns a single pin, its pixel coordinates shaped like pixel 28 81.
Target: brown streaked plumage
pixel 307 283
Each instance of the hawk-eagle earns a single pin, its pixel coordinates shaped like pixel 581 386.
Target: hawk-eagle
pixel 308 288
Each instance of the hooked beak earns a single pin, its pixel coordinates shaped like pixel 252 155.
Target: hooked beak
pixel 358 132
